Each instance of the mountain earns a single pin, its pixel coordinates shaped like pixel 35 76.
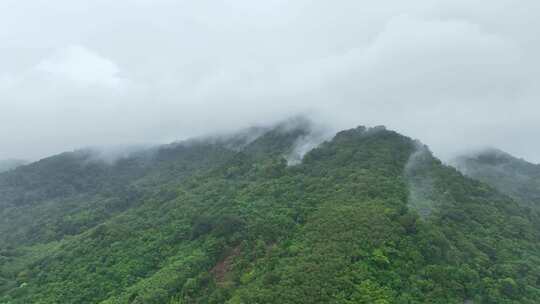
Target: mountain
pixel 9 164
pixel 367 216
pixel 513 176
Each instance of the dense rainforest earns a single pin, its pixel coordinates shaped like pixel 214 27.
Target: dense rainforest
pixel 368 216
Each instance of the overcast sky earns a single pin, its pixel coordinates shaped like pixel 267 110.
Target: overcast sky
pixel 456 74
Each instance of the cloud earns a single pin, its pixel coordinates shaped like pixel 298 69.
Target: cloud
pixel 454 74
pixel 78 65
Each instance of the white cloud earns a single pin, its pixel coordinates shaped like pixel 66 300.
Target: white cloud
pixel 451 73
pixel 81 66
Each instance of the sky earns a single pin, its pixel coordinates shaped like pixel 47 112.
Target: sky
pixel 456 74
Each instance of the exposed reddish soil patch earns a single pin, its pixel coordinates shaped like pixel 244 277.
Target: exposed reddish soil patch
pixel 223 267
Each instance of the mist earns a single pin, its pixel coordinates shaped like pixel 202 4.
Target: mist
pixel 456 75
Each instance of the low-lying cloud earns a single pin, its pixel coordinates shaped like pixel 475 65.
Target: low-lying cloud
pixel 454 74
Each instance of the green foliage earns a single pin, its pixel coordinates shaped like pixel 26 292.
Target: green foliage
pixel 205 223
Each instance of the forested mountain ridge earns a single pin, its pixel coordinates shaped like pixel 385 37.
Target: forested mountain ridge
pixel 513 176
pixel 369 216
pixel 70 192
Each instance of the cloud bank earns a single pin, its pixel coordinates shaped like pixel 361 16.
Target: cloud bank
pixel 455 74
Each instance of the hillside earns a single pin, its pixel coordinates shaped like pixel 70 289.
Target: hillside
pixel 513 176
pixel 369 216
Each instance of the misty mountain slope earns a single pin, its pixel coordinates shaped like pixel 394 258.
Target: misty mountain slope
pixel 374 251
pixel 72 192
pixel 9 164
pixel 515 177
pixel 31 227
pixel 339 227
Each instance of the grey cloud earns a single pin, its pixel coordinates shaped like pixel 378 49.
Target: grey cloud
pixel 454 74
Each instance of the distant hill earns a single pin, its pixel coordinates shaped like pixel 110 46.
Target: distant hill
pixel 8 164
pixel 367 216
pixel 513 176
